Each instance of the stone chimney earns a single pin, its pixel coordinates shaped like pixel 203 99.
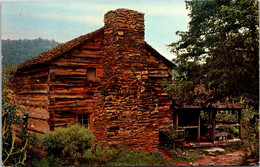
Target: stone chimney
pixel 124 38
pixel 123 85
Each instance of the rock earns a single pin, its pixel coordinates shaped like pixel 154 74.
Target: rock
pixel 252 164
pixel 235 154
pixel 216 149
pixel 250 160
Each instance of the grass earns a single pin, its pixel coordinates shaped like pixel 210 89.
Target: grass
pixel 185 156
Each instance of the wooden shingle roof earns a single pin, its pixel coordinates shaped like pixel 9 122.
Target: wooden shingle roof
pixel 64 47
pixel 59 50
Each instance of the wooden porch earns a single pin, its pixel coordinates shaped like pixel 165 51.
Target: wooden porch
pixel 207 131
pixel 202 144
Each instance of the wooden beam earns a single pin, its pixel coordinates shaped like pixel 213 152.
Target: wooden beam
pixel 213 137
pixel 176 120
pixel 240 124
pixel 198 132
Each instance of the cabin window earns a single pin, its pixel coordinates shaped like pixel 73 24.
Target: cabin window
pixel 91 74
pixel 83 119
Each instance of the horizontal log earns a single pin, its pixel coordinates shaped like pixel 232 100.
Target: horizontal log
pixel 38 100
pixel 70 96
pixel 33 76
pixel 87 51
pixel 35 132
pixel 74 109
pixel 71 90
pixel 64 121
pixel 75 84
pixel 71 102
pixel 38 125
pixel 42 88
pixel 16 81
pixel 92 45
pixel 70 71
pixel 83 58
pixel 38 112
pixel 78 64
pixel 33 92
pixel 33 104
pixel 34 70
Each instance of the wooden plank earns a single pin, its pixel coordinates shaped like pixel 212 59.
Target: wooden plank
pixel 42 100
pixel 87 51
pixel 177 119
pixel 69 71
pixel 92 45
pixel 16 81
pixel 240 124
pixel 70 96
pixel 31 89
pixel 213 137
pixel 38 125
pixel 34 70
pixel 39 112
pixel 227 125
pixel 77 64
pixel 198 132
pixel 33 76
pixel 69 109
pixel 188 127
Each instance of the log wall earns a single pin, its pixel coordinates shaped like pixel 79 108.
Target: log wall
pixel 70 91
pixel 31 88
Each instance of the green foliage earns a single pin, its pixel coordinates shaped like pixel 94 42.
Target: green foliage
pixel 68 143
pixel 250 133
pixel 16 52
pixel 12 116
pixel 184 156
pixel 7 74
pixel 46 162
pixel 98 155
pixel 220 50
pixel 136 158
pixel 224 115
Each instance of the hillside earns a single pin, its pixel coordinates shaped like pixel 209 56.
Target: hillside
pixel 16 52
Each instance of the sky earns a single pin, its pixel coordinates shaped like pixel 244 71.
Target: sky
pixel 63 21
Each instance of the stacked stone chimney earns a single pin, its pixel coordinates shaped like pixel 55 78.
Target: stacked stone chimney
pixel 124 115
pixel 124 39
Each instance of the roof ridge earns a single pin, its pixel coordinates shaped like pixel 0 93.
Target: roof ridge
pixel 166 61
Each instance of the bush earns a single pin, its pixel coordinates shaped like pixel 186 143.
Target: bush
pixel 68 143
pixel 98 155
pixel 250 133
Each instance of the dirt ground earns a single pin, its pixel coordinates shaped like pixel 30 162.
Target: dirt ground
pixel 233 158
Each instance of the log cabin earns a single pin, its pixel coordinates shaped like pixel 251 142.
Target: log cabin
pixel 108 80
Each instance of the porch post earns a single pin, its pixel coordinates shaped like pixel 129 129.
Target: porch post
pixel 198 133
pixel 240 124
pixel 213 137
pixel 176 120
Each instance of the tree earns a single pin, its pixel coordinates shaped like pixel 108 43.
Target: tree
pixel 16 52
pixel 7 74
pixel 220 50
pixel 12 118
